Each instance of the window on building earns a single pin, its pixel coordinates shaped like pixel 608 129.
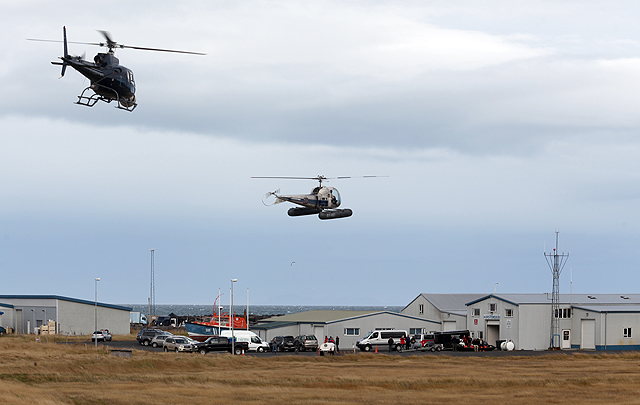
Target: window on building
pixel 475 311
pixel 480 335
pixel 563 313
pixel 421 309
pixel 352 331
pixel 492 307
pixel 626 333
pixel 508 313
pixel 415 331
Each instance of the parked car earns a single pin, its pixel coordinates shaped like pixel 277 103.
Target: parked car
pixel 381 338
pixel 426 342
pixel 177 343
pixel 254 341
pixel 283 343
pixel 101 335
pixel 329 348
pixel 221 344
pixel 146 335
pixel 158 340
pixel 307 342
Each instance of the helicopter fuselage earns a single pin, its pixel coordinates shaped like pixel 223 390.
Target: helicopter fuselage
pixel 320 198
pixel 108 78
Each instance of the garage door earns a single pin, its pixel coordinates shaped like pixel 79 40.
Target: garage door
pixel 588 338
pixel 448 325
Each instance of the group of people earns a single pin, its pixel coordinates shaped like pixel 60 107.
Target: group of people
pixel 405 343
pixel 466 342
pixel 335 342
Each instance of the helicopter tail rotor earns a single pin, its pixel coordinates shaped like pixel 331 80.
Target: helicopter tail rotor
pixel 266 199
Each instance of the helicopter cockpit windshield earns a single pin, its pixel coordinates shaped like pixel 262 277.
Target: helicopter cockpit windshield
pixel 335 197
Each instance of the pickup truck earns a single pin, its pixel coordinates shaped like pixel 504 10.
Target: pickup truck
pixel 221 344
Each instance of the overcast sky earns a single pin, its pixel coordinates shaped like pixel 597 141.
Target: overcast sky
pixel 497 122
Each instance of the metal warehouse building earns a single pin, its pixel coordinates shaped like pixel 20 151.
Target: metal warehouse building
pixel 598 321
pixel 350 326
pixel 448 309
pixel 26 313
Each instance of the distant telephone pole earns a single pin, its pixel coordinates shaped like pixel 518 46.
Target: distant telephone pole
pixel 152 296
pixel 556 263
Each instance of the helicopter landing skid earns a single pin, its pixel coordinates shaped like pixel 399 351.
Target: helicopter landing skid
pixel 93 99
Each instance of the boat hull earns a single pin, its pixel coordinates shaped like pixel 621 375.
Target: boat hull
pixel 201 331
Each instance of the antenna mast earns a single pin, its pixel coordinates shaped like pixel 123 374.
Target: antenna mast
pixel 556 263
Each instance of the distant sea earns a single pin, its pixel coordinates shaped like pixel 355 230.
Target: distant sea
pixel 196 310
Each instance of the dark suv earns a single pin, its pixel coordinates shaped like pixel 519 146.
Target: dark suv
pixel 145 335
pixel 306 342
pixel 284 343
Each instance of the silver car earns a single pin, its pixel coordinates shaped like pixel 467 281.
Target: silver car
pixel 177 343
pixel 158 340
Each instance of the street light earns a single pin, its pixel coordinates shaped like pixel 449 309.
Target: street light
pixel 95 314
pixel 233 280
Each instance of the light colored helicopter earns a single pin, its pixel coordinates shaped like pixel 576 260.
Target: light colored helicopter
pixel 322 200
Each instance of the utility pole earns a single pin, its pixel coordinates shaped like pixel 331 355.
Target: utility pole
pixel 556 262
pixel 152 296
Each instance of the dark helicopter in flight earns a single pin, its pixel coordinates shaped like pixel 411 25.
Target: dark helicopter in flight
pixel 110 81
pixel 322 200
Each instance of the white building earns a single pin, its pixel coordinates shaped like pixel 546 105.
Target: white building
pixel 599 321
pixel 450 310
pixel 26 313
pixel 349 326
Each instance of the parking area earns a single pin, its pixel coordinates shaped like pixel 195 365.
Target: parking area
pixel 495 353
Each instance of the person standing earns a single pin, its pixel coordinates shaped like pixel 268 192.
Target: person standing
pixel 390 342
pixel 337 344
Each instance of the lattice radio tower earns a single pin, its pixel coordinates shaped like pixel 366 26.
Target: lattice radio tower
pixel 556 262
pixel 152 296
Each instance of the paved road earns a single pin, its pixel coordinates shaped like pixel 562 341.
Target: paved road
pixel 132 344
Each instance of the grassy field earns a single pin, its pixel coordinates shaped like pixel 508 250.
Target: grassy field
pixel 51 373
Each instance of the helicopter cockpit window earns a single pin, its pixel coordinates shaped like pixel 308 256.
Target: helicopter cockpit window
pixel 335 197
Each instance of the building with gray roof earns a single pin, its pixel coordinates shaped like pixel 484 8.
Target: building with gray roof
pixel 26 314
pixel 349 326
pixel 586 321
pixel 448 310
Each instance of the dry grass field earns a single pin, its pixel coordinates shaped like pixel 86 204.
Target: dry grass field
pixel 51 373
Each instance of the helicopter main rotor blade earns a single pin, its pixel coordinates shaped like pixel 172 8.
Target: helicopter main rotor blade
pixel 112 44
pixel 356 177
pixel 317 177
pixel 158 49
pixel 69 42
pixel 285 177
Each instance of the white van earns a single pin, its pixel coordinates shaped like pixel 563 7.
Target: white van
pixel 255 343
pixel 381 338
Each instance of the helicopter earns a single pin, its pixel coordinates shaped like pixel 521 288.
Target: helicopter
pixel 322 200
pixel 110 81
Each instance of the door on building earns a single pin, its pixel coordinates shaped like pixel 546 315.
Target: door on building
pixel 448 325
pixel 318 331
pixel 566 338
pixel 588 336
pixel 493 333
pixel 19 321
